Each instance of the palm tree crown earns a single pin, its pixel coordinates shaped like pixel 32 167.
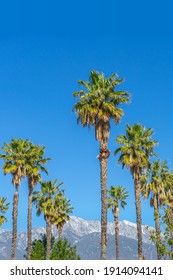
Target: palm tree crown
pixel 156 182
pixel 43 199
pixel 136 147
pixel 99 103
pixel 14 157
pixel 117 197
pixel 35 163
pixel 3 208
pixel 62 210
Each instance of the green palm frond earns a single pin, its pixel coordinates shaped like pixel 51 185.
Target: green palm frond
pixel 35 164
pixel 136 147
pixel 100 102
pixel 43 199
pixel 156 181
pixel 62 210
pixel 14 155
pixel 117 197
pixel 3 208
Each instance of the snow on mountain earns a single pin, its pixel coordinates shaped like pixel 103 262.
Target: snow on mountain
pixel 82 227
pixel 78 231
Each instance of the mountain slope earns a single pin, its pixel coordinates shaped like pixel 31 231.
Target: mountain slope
pixel 86 236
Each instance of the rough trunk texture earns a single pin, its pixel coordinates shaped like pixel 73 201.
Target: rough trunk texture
pixel 171 232
pixel 116 214
pixel 29 245
pixel 157 222
pixel 59 232
pixel 103 157
pixel 137 187
pixel 48 236
pixel 14 216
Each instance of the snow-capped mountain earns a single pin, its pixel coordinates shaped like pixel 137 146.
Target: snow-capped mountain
pixel 86 236
pixel 83 227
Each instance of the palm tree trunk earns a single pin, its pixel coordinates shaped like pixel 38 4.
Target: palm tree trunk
pixel 116 234
pixel 103 157
pixel 157 223
pixel 171 231
pixel 48 240
pixel 137 187
pixel 29 223
pixel 14 216
pixel 59 233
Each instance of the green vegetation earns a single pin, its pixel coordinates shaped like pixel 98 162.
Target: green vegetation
pixel 60 250
pixel 3 209
pixel 154 186
pixel 38 251
pixel 164 244
pixel 62 209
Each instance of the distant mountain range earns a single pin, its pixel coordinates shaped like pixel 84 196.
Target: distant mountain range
pixel 86 236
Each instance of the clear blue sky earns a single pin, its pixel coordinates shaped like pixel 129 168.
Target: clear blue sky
pixel 45 48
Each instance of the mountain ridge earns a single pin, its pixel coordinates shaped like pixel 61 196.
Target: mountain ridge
pixel 85 234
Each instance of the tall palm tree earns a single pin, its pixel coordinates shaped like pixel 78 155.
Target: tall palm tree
pixel 3 208
pixel 97 105
pixel 44 204
pixel 135 150
pixel 14 157
pixel 34 166
pixel 169 202
pixel 117 197
pixel 62 210
pixel 155 186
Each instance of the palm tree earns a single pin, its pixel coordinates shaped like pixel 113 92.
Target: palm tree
pixel 62 210
pixel 155 186
pixel 135 151
pixel 96 107
pixel 3 208
pixel 117 197
pixel 14 156
pixel 169 202
pixel 44 204
pixel 34 166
